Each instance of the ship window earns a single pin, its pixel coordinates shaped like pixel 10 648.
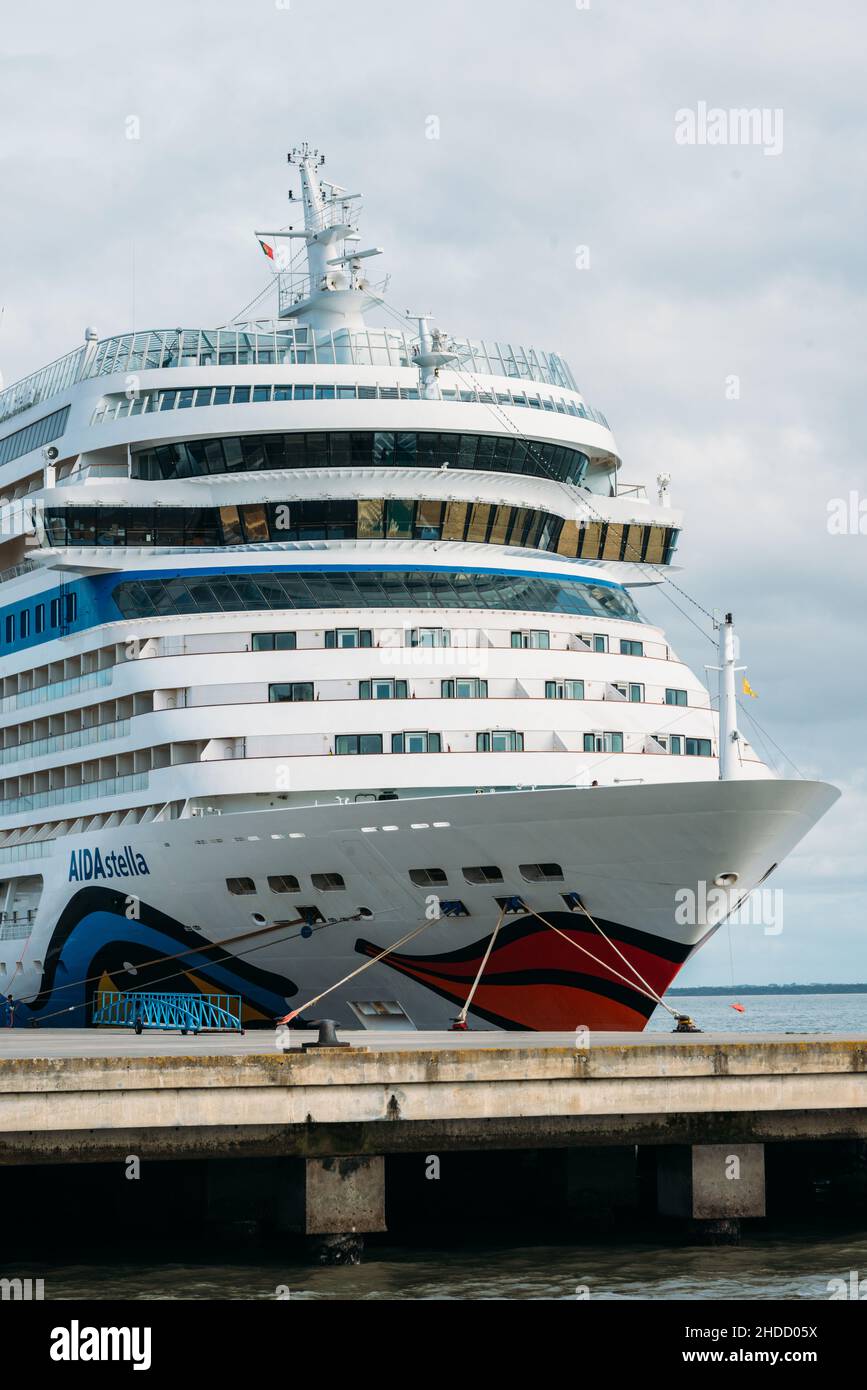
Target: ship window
pixel 242 395
pixel 564 690
pixel 42 431
pixel 10 626
pixel 483 873
pixel 603 743
pixel 222 395
pixel 675 744
pixel 428 878
pixel 240 886
pixel 347 637
pixel 185 399
pixel 429 637
pixel 378 589
pixel 464 688
pixel 382 690
pixel 203 395
pixel 428 518
pixel 274 641
pixel 398 518
pixel 536 639
pixel 697 747
pixel 417 742
pixel 292 691
pixel 630 690
pixel 40 617
pixel 168 400
pixel 327 883
pixel 261 393
pixel 380 449
pixel 541 873
pixel 25 622
pixel 500 741
pixel 628 648
pixel 283 883
pixel 358 743
pixel 675 697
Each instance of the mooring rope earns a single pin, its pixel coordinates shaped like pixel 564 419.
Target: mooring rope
pixel 462 1016
pixel 648 991
pixel 361 968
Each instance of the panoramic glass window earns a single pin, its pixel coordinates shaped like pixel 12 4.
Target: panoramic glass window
pixel 307 589
pixel 357 449
pixel 417 519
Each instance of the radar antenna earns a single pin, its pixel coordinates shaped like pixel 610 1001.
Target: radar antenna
pixel 334 293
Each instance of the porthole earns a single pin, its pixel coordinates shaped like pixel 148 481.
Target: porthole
pixel 327 883
pixel 426 878
pixel 541 873
pixel 483 873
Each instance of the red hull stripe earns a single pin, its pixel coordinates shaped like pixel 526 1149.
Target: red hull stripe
pixel 536 980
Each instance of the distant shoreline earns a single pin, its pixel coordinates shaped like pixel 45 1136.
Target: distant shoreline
pixel 769 989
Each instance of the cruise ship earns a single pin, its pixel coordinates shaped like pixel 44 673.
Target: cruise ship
pixel 326 681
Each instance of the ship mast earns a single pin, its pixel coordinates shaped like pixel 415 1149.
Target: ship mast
pixel 335 293
pixel 729 737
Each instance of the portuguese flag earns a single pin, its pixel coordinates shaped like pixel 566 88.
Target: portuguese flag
pixel 269 250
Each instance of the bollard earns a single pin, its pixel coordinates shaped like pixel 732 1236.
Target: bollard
pixel 327 1035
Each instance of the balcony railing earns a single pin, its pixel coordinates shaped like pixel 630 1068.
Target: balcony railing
pixel 293 345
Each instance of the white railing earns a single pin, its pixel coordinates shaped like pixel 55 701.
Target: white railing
pixel 296 344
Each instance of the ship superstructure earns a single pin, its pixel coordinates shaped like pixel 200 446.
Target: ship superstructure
pixel 313 632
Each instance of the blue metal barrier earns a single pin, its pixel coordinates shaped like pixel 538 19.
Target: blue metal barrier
pixel 191 1013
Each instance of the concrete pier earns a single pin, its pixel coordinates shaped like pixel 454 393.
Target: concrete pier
pixel 74 1097
pixel 326 1123
pixel 713 1185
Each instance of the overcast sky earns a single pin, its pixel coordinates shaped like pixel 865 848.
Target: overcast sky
pixel 556 131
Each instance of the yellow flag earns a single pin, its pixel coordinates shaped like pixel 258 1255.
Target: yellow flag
pixel 748 689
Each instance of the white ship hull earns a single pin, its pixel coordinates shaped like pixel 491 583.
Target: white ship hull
pixel 626 851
